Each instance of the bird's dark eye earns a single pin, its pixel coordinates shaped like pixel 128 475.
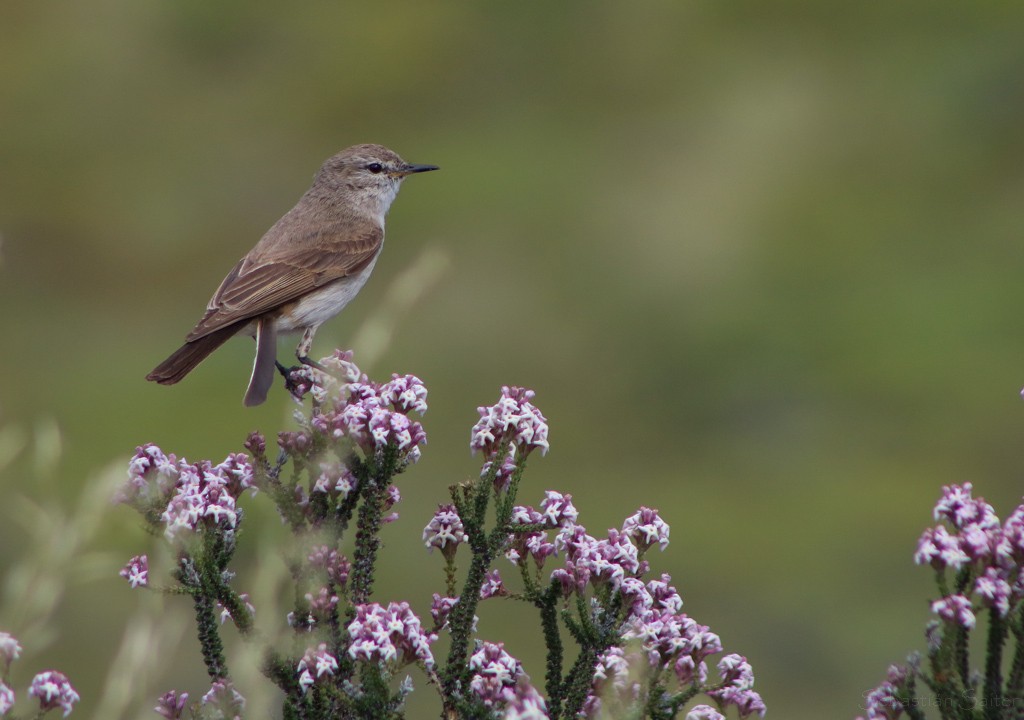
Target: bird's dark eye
pixel 375 168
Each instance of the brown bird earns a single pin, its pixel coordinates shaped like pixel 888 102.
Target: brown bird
pixel 304 270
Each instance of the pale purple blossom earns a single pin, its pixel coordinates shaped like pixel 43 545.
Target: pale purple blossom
pixel 389 635
pixel 10 650
pixel 405 393
pixel 1009 550
pixel 704 712
pixel 374 416
pixel 315 663
pixel 883 702
pixel 136 572
pixel 557 509
pixel 734 670
pixel 646 528
pixel 526 703
pixel 959 509
pixel 955 609
pixel 495 674
pixel 171 705
pixel 53 690
pixel 533 543
pixel 151 476
pixel 994 590
pixel 492 586
pixel 205 494
pixel 440 609
pixel 746 702
pixel 940 549
pixel 445 531
pixel 391 498
pixel 513 419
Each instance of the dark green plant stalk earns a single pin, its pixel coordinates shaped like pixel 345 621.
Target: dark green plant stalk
pixel 374 476
pixel 547 604
pixel 210 644
pixel 993 665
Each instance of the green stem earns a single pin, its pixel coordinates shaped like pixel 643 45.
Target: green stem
pixel 993 666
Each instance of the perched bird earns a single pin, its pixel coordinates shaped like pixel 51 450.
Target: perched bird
pixel 304 270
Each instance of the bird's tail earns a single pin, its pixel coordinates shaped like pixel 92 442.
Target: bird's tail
pixel 185 358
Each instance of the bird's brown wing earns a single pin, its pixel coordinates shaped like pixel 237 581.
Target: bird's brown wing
pixel 271 276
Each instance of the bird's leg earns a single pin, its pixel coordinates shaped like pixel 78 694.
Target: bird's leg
pixel 302 351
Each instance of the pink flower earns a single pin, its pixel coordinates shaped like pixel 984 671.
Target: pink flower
pixel 136 572
pixel 53 690
pixel 389 635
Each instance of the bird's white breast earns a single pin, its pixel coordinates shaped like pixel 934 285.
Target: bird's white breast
pixel 325 302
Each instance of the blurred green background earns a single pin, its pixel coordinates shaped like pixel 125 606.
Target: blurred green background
pixel 761 262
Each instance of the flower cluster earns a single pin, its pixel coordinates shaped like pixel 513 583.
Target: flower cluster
pixel 556 511
pixel 374 415
pixel 507 430
pixel 53 691
pixel 389 635
pixel 445 531
pixel 227 701
pixel 885 701
pixel 190 493
pixel 316 663
pixel 646 529
pixel 171 705
pixel 671 641
pixel 993 552
pixel 136 572
pixel 335 565
pixel 51 688
pixel 496 675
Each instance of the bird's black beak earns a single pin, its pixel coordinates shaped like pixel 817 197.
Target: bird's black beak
pixel 410 169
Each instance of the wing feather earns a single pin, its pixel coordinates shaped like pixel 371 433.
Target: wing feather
pixel 281 269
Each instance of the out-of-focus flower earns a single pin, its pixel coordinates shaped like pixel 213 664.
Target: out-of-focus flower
pixel 525 703
pixel 704 712
pixel 994 590
pixel 171 705
pixel 955 609
pixel 389 635
pixel 323 604
pixel 10 650
pixel 136 572
pixel 223 696
pixel 940 549
pixel 6 699
pixel 331 562
pixel 152 475
pixel 53 690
